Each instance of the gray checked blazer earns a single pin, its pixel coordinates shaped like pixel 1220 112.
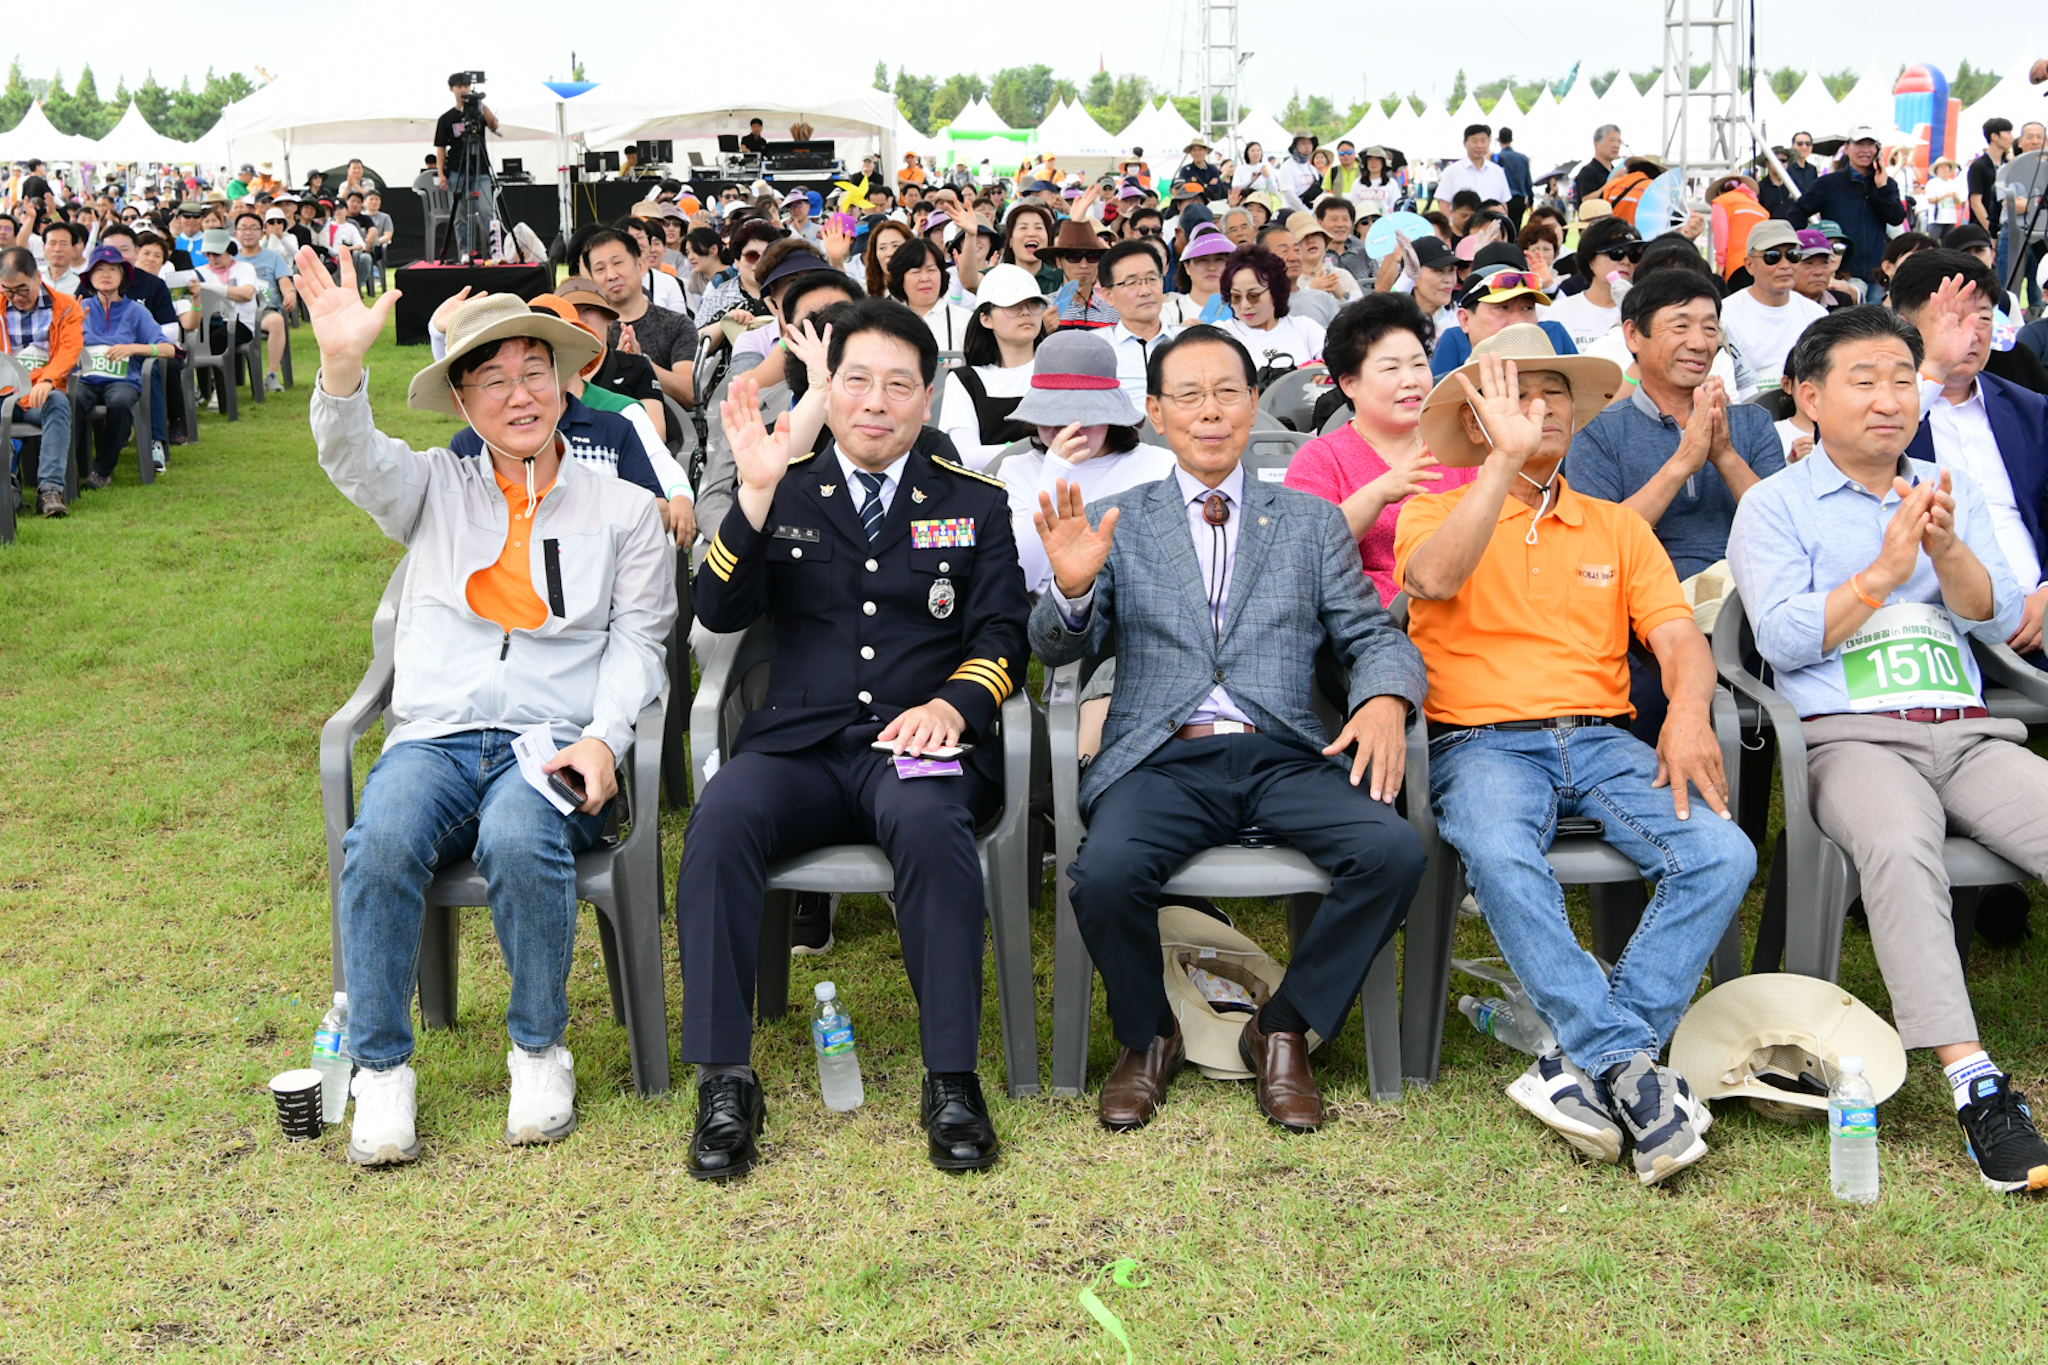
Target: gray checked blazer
pixel 1297 582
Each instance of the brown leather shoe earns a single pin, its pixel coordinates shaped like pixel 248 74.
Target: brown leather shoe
pixel 1132 1092
pixel 1279 1061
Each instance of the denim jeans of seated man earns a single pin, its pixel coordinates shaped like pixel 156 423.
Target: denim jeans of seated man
pixel 1498 795
pixel 428 803
pixel 53 415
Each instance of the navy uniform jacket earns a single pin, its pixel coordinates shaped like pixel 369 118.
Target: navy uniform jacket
pixel 934 608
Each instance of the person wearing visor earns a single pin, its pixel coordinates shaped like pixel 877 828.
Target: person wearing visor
pixel 1200 296
pixel 560 631
pixel 1607 254
pixel 1500 292
pixel 1084 434
pixel 1523 593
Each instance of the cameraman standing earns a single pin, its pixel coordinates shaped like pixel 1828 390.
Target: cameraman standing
pixel 458 143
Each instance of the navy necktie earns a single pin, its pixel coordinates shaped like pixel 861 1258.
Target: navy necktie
pixel 871 510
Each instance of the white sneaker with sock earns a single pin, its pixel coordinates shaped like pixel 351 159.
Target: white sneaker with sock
pixel 543 1106
pixel 385 1103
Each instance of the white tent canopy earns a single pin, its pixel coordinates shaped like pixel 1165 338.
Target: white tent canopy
pixel 978 117
pixel 2010 98
pixel 1262 128
pixel 36 136
pixel 133 140
pixel 1162 131
pixel 1070 131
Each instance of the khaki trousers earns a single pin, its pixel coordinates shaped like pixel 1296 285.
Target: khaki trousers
pixel 1887 791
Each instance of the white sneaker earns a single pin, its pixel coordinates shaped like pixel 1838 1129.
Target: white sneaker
pixel 383 1131
pixel 543 1107
pixel 156 455
pixel 272 384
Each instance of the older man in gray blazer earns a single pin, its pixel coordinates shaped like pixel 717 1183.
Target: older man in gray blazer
pixel 1216 595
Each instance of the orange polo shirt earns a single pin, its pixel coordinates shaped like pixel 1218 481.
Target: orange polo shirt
pixel 503 592
pixel 1539 630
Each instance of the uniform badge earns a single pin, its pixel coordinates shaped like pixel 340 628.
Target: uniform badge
pixel 825 489
pixel 917 495
pixel 942 598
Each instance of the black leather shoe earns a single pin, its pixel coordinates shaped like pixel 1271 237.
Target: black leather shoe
pixel 731 1112
pixel 955 1119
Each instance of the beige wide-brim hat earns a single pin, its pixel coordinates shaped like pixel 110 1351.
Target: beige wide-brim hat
pixel 1795 1029
pixel 493 317
pixel 1594 383
pixel 1190 939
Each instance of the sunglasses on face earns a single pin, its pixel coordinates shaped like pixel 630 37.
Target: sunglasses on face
pixel 1803 146
pixel 1151 232
pixel 1077 257
pixel 1778 255
pixel 1512 279
pixel 1628 251
pixel 1246 299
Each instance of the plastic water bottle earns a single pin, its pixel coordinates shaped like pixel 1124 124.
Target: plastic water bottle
pixel 330 1059
pixel 1518 1025
pixel 1852 1135
pixel 832 1036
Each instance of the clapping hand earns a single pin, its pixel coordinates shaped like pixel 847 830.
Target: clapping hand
pixel 1406 476
pixel 1938 536
pixel 1074 550
pixel 1513 434
pixel 343 325
pixel 1899 552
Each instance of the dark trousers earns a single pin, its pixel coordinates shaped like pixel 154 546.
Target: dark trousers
pixel 1193 794
pixel 118 397
pixel 1646 694
pixel 761 808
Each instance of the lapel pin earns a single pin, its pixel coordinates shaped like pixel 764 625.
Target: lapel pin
pixel 917 495
pixel 825 489
pixel 1262 521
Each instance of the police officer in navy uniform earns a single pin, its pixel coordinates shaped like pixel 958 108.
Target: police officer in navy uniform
pixel 899 615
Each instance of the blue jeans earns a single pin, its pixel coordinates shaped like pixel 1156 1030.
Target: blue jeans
pixel 53 415
pixel 1498 795
pixel 428 803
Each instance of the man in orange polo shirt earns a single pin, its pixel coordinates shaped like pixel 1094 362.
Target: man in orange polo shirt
pixel 1523 594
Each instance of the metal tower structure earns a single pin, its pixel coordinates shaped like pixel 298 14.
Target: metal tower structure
pixel 1220 63
pixel 1700 122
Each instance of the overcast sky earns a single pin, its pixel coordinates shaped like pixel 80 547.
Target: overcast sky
pixel 1392 47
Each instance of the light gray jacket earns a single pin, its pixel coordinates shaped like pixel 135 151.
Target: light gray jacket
pixel 1297 583
pixel 595 661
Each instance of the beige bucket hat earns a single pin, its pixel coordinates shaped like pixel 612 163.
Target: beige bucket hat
pixel 1237 977
pixel 1594 383
pixel 1778 1040
pixel 493 317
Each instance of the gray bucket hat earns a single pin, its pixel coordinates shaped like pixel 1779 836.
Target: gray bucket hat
pixel 1074 379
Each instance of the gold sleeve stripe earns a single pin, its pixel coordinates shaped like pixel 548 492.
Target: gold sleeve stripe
pixel 988 675
pixel 720 560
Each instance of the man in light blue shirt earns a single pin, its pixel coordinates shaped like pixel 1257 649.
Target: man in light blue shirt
pixel 1866 574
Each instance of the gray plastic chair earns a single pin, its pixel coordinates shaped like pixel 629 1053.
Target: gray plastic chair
pixel 621 878
pixel 1812 879
pixel 85 417
pixel 1614 885
pixel 733 680
pixel 994 467
pixel 200 355
pixel 1335 420
pixel 1230 871
pixel 1268 453
pixel 14 379
pixel 437 206
pixel 1292 398
pixel 284 364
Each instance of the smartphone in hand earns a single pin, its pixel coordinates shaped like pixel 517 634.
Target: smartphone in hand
pixel 566 785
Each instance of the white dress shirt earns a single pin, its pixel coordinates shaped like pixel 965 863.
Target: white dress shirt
pixel 858 490
pixel 1217 706
pixel 1487 178
pixel 1133 352
pixel 1963 440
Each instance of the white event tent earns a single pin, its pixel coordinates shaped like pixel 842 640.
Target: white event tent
pixel 1262 128
pixel 1163 131
pixel 35 135
pixel 1071 133
pixel 133 140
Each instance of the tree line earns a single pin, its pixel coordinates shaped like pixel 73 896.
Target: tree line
pixel 1023 95
pixel 185 114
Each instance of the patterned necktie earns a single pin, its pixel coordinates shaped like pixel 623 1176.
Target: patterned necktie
pixel 871 510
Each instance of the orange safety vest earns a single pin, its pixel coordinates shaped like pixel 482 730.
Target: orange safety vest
pixel 1744 214
pixel 1624 192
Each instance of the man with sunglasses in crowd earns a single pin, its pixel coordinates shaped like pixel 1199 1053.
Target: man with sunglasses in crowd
pixel 1863 200
pixel 1609 248
pixel 1080 302
pixel 1764 321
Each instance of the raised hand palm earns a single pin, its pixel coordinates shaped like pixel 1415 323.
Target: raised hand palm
pixel 760 457
pixel 1075 551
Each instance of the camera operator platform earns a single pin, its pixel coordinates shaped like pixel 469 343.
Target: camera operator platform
pixel 464 168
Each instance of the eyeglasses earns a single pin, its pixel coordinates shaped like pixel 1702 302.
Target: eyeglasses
pixel 536 380
pixel 1803 146
pixel 1076 257
pixel 26 290
pixel 1629 251
pixel 859 385
pixel 1226 396
pixel 1246 299
pixel 1138 282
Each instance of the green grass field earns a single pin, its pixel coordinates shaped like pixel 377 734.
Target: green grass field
pixel 169 656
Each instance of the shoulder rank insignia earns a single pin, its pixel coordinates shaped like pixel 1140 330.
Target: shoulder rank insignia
pixel 951 468
pixel 796 460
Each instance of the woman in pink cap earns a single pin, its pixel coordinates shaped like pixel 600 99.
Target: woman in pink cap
pixel 1374 463
pixel 1200 297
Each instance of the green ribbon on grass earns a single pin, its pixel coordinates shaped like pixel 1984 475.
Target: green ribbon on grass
pixel 1120 1272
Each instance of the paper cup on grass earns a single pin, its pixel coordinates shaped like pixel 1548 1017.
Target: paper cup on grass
pixel 298 1102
